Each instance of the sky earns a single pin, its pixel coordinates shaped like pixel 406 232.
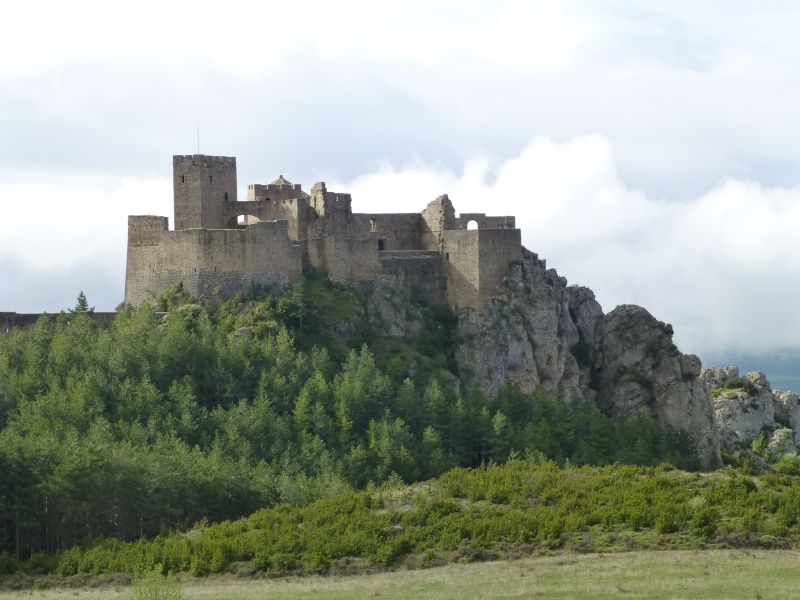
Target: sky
pixel 648 149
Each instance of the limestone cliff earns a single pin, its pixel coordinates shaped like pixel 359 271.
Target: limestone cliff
pixel 540 332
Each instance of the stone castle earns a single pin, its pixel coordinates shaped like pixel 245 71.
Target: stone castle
pixel 281 231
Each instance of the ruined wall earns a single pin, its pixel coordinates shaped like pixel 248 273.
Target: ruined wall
pixel 202 185
pixel 483 221
pixel 437 217
pixel 293 210
pixel 398 231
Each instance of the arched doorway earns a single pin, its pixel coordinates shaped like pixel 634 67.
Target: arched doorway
pixel 472 225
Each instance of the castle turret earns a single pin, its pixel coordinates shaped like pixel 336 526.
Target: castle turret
pixel 202 186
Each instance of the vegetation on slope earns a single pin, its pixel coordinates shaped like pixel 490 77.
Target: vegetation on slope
pixel 214 411
pixel 470 514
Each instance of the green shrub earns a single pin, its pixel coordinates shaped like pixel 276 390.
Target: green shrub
pixel 198 567
pixel 8 565
pixel 704 521
pixel 155 586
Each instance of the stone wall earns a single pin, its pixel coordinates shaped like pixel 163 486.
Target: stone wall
pixel 483 222
pixel 398 231
pixel 496 249
pixel 461 268
pixel 421 269
pixel 203 259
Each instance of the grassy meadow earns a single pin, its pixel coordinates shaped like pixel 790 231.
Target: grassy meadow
pixel 668 574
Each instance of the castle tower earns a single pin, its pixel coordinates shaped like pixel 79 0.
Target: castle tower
pixel 202 186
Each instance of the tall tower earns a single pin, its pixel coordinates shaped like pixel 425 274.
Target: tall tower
pixel 202 186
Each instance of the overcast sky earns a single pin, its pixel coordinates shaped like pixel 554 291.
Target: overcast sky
pixel 649 150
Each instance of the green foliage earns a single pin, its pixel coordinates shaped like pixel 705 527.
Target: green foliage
pixel 471 512
pixel 153 585
pixel 737 385
pixel 112 438
pixel 788 464
pixel 81 306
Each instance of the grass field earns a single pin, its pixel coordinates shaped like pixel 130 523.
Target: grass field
pixel 736 574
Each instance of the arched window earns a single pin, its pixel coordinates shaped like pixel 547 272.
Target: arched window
pixel 473 224
pixel 226 196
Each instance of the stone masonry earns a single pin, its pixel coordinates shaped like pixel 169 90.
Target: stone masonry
pixel 281 231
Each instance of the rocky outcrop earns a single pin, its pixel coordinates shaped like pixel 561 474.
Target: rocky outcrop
pixel 642 371
pixel 747 406
pixel 540 332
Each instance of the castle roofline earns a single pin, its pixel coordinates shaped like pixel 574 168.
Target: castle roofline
pixel 281 181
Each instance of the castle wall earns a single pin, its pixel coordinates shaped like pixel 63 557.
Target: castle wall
pixel 350 260
pixel 438 216
pixel 460 252
pixel 203 259
pixel 293 210
pixel 496 249
pixel 476 263
pixel 287 232
pixel 419 268
pixel 483 221
pixel 397 231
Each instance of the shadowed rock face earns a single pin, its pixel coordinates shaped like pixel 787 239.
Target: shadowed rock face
pixel 640 370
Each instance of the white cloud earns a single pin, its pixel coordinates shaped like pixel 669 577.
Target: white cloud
pixel 49 231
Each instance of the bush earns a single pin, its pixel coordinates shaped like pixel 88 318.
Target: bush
pixel 705 521
pixel 8 565
pixel 155 586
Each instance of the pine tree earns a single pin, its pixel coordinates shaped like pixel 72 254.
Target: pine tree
pixel 82 306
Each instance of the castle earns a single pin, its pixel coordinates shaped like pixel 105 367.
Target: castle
pixel 281 231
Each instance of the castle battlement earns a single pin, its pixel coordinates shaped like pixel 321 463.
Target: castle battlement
pixel 281 231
